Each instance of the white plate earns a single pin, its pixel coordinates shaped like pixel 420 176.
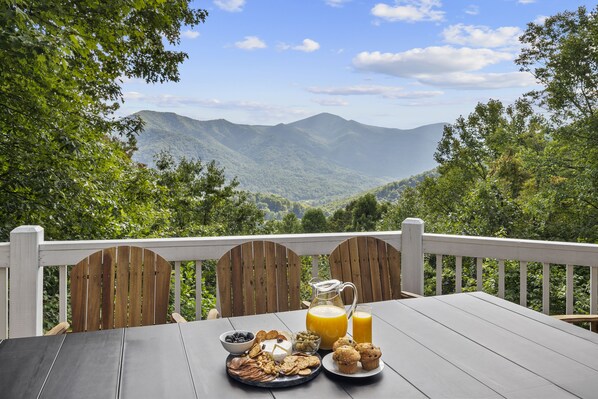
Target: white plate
pixel 331 366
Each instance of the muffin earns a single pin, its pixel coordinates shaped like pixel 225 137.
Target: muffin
pixel 369 355
pixel 346 358
pixel 343 341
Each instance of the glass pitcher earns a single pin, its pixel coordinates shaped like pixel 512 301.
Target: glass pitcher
pixel 326 315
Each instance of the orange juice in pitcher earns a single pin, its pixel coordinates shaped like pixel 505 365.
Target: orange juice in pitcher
pixel 326 315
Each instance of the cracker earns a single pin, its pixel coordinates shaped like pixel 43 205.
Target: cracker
pixel 304 372
pixel 272 334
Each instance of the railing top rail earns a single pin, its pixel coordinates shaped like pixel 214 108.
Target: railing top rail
pixel 554 252
pixel 54 253
pixel 4 254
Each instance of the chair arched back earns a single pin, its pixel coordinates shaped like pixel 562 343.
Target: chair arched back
pixel 373 265
pixel 117 287
pixel 258 277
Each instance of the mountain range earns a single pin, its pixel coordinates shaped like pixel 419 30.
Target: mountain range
pixel 317 159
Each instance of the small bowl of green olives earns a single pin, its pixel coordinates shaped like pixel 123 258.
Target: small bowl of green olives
pixel 307 342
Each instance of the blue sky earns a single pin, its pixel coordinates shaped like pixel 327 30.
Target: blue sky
pixel 393 63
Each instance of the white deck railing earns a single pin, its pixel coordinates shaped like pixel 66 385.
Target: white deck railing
pixel 22 261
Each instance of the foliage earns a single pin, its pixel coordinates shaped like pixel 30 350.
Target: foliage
pixel 314 221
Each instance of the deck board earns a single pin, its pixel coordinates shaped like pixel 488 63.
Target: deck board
pixel 25 363
pixel 560 370
pixel 87 366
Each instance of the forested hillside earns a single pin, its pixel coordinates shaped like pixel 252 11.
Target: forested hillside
pixel 317 159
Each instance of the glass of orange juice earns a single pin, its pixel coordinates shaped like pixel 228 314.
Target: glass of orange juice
pixel 329 322
pixel 362 324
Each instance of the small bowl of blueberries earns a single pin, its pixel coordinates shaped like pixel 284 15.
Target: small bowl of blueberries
pixel 237 342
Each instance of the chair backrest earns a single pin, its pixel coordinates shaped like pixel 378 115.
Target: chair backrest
pixel 373 265
pixel 258 277
pixel 119 287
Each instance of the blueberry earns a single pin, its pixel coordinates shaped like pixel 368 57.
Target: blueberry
pixel 250 336
pixel 228 339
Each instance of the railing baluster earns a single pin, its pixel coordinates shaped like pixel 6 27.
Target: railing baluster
pixel 62 288
pixel 438 274
pixel 569 290
pixel 3 303
pixel 458 274
pixel 501 278
pixel 523 283
pixel 315 260
pixel 177 287
pixel 546 288
pixel 198 296
pixel 594 290
pixel 479 273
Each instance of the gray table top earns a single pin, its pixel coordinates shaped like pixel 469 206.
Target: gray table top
pixel 457 346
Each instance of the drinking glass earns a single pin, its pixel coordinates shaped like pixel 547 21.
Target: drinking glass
pixel 362 324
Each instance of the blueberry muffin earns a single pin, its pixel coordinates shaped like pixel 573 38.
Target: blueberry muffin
pixel 369 355
pixel 343 341
pixel 346 358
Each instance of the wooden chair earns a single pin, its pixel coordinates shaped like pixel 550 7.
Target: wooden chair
pixel 118 287
pixel 580 318
pixel 373 265
pixel 258 277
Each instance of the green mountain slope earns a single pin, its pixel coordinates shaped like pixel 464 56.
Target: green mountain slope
pixel 317 159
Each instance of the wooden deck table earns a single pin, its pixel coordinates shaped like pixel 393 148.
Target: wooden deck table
pixel 456 346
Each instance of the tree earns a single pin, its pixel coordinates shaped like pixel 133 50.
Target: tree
pixel 61 65
pixel 314 221
pixel 201 202
pixel 562 53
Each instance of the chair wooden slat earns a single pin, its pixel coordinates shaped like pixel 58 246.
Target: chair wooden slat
pixel 163 272
pixel 108 279
pixel 260 277
pixel 94 291
pixel 346 269
pixel 135 286
pixel 281 278
pixel 237 275
pixel 79 295
pixel 374 269
pixel 224 285
pixel 271 276
pixel 384 269
pixel 149 288
pixel 355 267
pixel 394 267
pixel 248 278
pixel 365 270
pixel 294 269
pixel 121 302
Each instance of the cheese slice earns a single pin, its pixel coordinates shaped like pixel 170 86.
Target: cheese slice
pixel 279 350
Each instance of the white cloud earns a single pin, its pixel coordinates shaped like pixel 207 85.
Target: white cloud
pixel 132 95
pixel 250 43
pixel 409 11
pixel 189 34
pixel 482 36
pixel 526 1
pixel 331 102
pixel 336 3
pixel 472 9
pixel 462 80
pixel 384 91
pixel 429 60
pixel 230 5
pixel 540 19
pixel 307 46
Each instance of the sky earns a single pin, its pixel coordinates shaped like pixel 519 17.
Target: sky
pixel 391 63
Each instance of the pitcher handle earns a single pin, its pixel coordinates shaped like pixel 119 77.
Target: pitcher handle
pixel 352 309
